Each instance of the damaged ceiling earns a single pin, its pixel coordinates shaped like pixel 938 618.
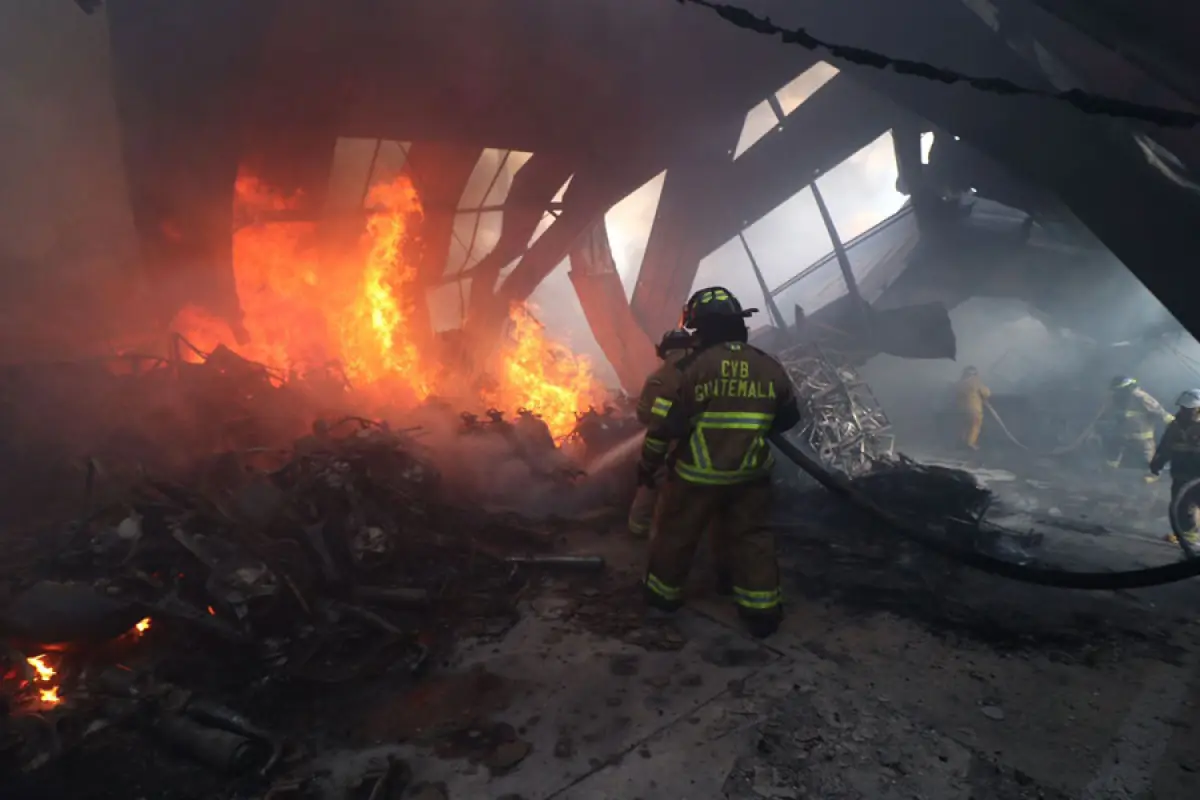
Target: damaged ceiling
pixel 613 92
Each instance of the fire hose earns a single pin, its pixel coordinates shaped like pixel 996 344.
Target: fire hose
pixel 1062 579
pixel 1059 451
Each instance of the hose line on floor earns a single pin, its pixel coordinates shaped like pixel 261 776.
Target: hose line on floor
pixel 1058 451
pixel 1063 579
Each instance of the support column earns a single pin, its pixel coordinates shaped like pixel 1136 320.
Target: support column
pixel 676 242
pixel 602 296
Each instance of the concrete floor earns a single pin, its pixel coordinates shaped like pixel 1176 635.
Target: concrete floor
pixel 847 701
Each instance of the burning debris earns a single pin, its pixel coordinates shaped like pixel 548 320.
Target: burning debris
pixel 307 311
pixel 843 423
pixel 224 552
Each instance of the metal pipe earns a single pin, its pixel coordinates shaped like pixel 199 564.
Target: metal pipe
pixel 588 563
pixel 212 746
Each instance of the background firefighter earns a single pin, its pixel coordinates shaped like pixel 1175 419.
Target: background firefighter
pixel 1132 415
pixel 1180 447
pixel 970 397
pixel 673 347
pixel 728 398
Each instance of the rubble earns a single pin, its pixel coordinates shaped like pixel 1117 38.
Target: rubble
pixel 230 551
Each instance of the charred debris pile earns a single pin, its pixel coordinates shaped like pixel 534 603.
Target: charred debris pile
pixel 214 559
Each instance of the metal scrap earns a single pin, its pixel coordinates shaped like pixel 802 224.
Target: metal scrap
pixel 585 563
pixel 842 421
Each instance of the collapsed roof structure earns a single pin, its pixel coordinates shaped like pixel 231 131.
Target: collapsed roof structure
pixel 610 93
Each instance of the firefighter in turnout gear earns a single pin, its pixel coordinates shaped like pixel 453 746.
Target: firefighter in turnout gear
pixel 1180 447
pixel 673 347
pixel 728 397
pixel 970 397
pixel 1132 414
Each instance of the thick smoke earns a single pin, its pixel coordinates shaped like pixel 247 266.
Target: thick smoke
pixel 66 237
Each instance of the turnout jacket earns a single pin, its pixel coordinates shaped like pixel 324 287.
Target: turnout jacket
pixel 719 407
pixel 1135 412
pixel 1179 447
pixel 660 381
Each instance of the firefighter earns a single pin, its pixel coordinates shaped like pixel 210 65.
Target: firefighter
pixel 673 347
pixel 1180 447
pixel 971 395
pixel 1132 413
pixel 727 398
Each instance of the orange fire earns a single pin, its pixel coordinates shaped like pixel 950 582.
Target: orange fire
pixel 142 626
pixel 44 673
pixel 302 311
pixel 543 376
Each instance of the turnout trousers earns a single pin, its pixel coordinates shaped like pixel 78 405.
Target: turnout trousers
pixel 743 545
pixel 642 512
pixel 1131 450
pixel 971 424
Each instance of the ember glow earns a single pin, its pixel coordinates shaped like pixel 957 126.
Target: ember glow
pixel 44 671
pixel 303 312
pixel 44 674
pixel 142 626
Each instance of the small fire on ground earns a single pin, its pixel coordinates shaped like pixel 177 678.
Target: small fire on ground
pixel 304 312
pixel 45 678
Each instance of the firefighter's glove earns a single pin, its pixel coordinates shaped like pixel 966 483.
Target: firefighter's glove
pixel 645 475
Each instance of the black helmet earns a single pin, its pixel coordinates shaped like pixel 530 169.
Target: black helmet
pixel 674 340
pixel 715 301
pixel 1122 382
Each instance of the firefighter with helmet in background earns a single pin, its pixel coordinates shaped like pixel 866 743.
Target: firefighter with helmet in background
pixel 727 398
pixel 674 346
pixel 971 396
pixel 1180 447
pixel 1133 414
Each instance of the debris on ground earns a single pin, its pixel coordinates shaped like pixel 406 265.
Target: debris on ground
pixel 201 582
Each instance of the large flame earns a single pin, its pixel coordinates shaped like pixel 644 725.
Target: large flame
pixel 543 376
pixel 303 312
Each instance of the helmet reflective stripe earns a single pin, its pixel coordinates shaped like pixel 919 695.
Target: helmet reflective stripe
pixel 1123 382
pixel 714 294
pixel 1189 399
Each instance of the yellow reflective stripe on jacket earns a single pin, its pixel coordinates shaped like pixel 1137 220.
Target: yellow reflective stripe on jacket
pixel 654 584
pixel 661 407
pixel 752 454
pixel 758 601
pixel 701 469
pixel 714 477
pixel 1141 435
pixel 654 445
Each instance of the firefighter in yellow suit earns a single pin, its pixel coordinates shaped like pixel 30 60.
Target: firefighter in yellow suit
pixel 1132 413
pixel 726 400
pixel 673 347
pixel 970 398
